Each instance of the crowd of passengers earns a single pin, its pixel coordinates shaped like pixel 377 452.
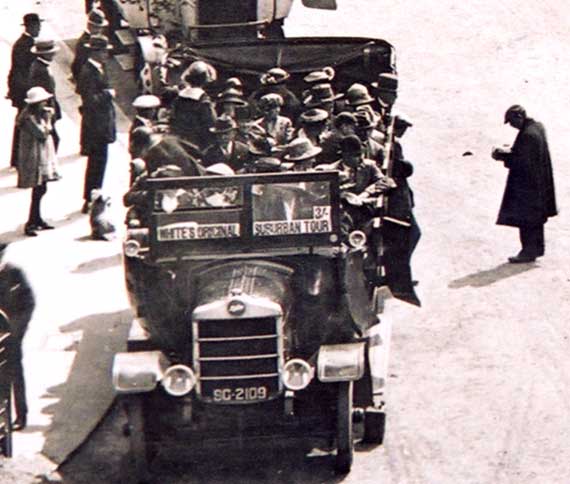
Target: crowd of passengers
pixel 186 131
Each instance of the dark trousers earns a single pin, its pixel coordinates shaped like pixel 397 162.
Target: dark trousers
pixel 532 240
pixel 18 380
pixel 95 172
pixel 35 216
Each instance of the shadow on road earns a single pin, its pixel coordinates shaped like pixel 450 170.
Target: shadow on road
pixel 87 394
pixel 490 276
pixel 98 264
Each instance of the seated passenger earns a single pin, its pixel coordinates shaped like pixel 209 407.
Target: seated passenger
pixel 322 76
pixel 274 81
pixel 360 179
pixel 344 124
pixel 231 103
pixel 226 149
pixel 278 128
pixel 146 112
pixel 368 135
pixel 301 155
pixel 358 98
pixel 193 112
pixel 261 157
pixel 314 125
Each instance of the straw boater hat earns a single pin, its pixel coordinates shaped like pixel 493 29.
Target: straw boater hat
pixel 387 82
pixel 37 95
pixel 301 149
pixel 220 169
pixel 326 74
pixel 97 17
pixel 223 124
pixel 273 76
pixel 357 95
pixel 98 42
pixel 320 93
pixel 31 18
pixel 313 116
pixel 44 46
pixel 269 101
pixel 146 101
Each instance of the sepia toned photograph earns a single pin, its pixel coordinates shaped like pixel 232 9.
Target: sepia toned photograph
pixel 284 241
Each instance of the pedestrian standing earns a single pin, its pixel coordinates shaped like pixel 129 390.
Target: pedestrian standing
pixel 96 23
pixel 41 75
pixel 37 163
pixel 18 76
pixel 98 127
pixel 17 304
pixel 529 198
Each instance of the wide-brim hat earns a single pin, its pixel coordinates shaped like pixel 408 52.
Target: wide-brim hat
pixel 321 93
pixel 44 46
pixel 224 124
pixel 146 101
pixel 301 149
pixel 387 82
pixel 358 95
pixel 31 18
pixel 232 96
pixel 36 95
pixel 314 115
pixel 98 42
pixel 276 75
pixel 97 17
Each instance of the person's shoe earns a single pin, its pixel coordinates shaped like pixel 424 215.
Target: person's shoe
pixel 43 225
pixel 85 208
pixel 521 259
pixel 19 424
pixel 30 230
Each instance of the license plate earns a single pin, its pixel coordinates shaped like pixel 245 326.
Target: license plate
pixel 243 394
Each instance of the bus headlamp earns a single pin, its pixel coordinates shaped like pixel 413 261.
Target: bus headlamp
pixel 357 239
pixel 178 380
pixel 297 374
pixel 131 248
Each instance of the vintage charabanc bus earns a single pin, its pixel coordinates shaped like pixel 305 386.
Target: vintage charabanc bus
pixel 253 317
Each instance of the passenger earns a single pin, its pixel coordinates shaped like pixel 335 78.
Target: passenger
pixel 360 179
pixel 232 103
pixel 193 112
pixel 322 96
pixel 314 125
pixel 344 124
pixel 322 76
pixel 386 92
pixel 274 82
pixel 365 130
pixel 261 157
pixel 226 149
pixel 301 155
pixel 359 99
pixel 278 128
pixel 146 107
pixel 234 83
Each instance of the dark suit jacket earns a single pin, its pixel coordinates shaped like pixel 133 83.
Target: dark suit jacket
pixel 81 54
pixel 22 59
pixel 236 158
pixel 16 298
pixel 98 112
pixel 41 76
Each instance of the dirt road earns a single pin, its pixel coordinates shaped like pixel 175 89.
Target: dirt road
pixel 480 376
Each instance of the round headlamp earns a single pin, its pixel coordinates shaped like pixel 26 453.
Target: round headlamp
pixel 178 380
pixel 131 248
pixel 357 239
pixel 297 374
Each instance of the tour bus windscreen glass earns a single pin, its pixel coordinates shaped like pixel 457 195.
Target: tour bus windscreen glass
pixel 199 198
pixel 291 209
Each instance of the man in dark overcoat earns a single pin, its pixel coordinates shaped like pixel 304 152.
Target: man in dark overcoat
pixel 42 76
pixel 98 127
pixel 17 303
pixel 18 76
pixel 96 23
pixel 529 198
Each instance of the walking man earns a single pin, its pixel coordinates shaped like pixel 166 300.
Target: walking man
pixel 18 77
pixel 98 128
pixel 529 198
